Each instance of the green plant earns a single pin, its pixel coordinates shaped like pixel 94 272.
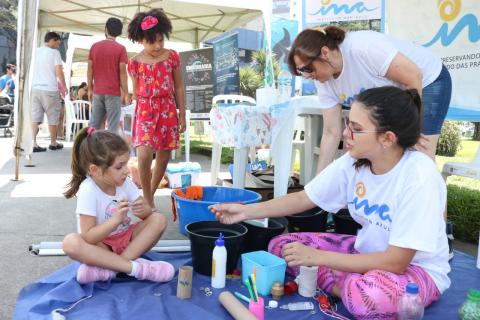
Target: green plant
pixel 249 82
pixel 259 60
pixel 449 140
pixel 464 211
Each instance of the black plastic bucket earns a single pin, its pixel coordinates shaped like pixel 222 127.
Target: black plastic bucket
pixel 258 237
pixel 202 235
pixel 345 224
pixel 313 220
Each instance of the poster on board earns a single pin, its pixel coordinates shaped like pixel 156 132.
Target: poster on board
pixel 197 73
pixel 226 66
pixel 451 29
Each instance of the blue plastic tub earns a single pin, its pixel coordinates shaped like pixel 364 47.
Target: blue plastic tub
pixel 269 269
pixel 195 210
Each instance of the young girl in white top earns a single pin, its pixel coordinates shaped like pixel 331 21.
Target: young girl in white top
pixel 117 226
pixel 393 191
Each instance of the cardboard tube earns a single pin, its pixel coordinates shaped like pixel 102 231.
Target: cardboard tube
pixel 236 309
pixel 184 286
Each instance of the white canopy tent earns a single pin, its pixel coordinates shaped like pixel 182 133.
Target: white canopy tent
pixel 193 21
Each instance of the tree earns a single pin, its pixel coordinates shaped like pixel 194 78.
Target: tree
pixel 259 60
pixel 476 132
pixel 8 21
pixel 8 14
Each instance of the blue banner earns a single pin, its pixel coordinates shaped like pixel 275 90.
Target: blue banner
pixel 226 66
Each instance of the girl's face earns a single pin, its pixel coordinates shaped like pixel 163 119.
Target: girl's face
pixel 360 135
pixel 154 49
pixel 117 173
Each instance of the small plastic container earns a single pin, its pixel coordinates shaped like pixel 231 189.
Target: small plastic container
pixel 269 269
pixel 183 174
pixel 257 308
pixel 470 309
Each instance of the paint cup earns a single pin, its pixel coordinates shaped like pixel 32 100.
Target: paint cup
pixel 184 286
pixel 257 308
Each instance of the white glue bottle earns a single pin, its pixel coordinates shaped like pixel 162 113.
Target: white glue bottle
pixel 219 263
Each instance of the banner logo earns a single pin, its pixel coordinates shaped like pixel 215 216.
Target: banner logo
pixel 359 7
pixel 448 11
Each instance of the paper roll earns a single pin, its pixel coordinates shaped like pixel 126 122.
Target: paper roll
pixel 184 286
pixel 236 309
pixel 307 281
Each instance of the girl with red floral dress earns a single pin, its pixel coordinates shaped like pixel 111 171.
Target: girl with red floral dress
pixel 156 79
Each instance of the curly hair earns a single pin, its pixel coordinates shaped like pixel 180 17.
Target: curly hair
pixel 163 27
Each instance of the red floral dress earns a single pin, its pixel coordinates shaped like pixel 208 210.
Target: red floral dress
pixel 156 122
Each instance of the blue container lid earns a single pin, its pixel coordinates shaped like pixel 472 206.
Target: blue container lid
pixel 220 242
pixel 412 288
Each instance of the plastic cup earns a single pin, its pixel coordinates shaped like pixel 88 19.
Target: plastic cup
pixel 257 308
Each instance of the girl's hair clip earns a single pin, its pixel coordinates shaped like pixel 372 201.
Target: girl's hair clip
pixel 90 130
pixel 148 22
pixel 319 29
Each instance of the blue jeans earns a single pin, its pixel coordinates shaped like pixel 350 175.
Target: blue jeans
pixel 436 100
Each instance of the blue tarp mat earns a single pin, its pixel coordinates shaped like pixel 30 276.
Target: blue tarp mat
pixel 127 298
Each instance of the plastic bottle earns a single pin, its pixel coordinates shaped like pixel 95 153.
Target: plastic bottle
pixel 219 263
pixel 470 309
pixel 294 306
pixel 410 306
pixel 284 83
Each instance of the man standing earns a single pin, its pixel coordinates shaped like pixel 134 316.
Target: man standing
pixel 45 93
pixel 107 78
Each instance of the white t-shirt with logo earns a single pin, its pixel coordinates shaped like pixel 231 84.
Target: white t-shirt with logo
pixel 44 76
pixel 366 58
pixel 92 201
pixel 403 208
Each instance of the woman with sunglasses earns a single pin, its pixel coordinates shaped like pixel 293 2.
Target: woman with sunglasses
pixel 397 195
pixel 347 63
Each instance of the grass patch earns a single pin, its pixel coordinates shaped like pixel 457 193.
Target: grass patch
pixel 198 145
pixel 463 196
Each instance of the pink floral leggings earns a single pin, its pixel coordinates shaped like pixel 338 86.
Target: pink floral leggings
pixel 372 295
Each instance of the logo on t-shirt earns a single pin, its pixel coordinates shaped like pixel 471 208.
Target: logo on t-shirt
pixel 369 210
pixel 109 212
pixel 348 100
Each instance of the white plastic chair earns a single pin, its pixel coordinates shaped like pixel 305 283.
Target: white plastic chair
pixel 76 113
pixel 240 155
pixel 469 169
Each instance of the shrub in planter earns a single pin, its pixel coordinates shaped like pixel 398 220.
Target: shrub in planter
pixel 464 211
pixel 449 141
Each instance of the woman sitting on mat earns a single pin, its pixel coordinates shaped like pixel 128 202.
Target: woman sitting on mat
pixel 117 226
pixel 393 191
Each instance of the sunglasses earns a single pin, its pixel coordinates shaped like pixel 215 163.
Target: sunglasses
pixel 352 131
pixel 308 68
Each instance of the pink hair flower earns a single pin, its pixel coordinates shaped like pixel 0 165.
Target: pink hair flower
pixel 90 130
pixel 148 22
